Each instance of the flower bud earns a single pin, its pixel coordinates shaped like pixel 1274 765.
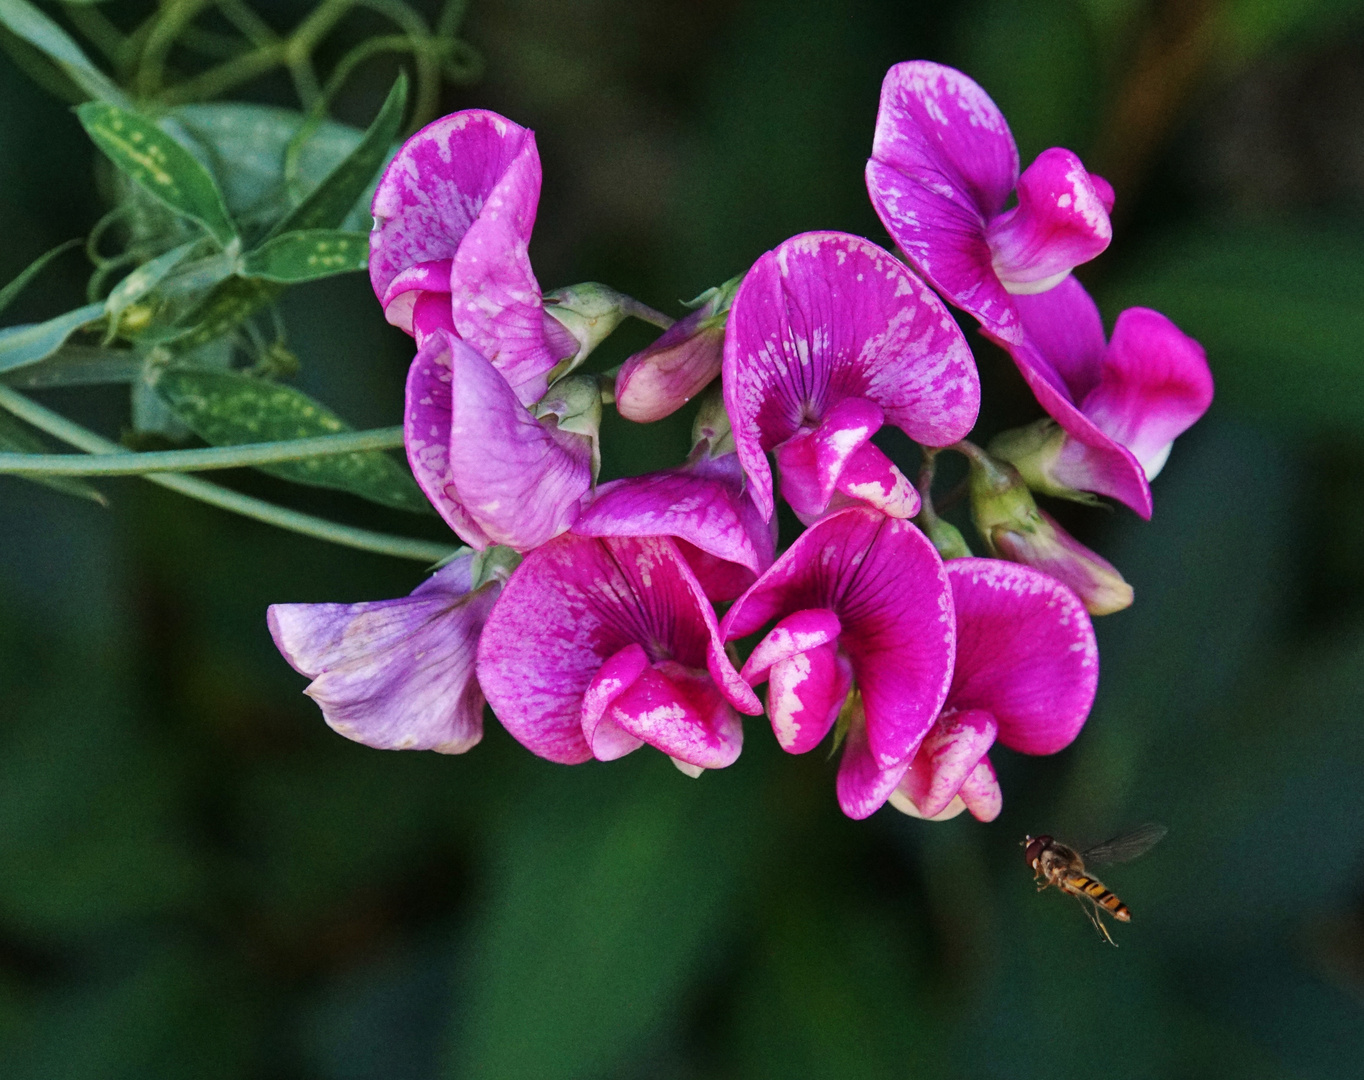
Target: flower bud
pixel 661 379
pixel 1015 529
pixel 589 312
pixel 1035 451
pixel 712 426
pixel 946 537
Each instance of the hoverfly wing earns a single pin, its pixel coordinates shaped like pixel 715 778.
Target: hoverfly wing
pixel 1125 847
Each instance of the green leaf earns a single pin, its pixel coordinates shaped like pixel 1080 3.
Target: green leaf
pixel 223 309
pixel 15 287
pixel 31 25
pixel 331 200
pixel 1280 310
pixel 14 437
pixel 24 345
pixel 307 255
pixel 226 409
pixel 142 281
pixel 160 165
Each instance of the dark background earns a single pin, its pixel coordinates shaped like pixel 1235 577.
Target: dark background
pixel 198 879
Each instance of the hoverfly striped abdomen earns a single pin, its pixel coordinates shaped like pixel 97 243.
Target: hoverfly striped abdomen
pixel 1100 894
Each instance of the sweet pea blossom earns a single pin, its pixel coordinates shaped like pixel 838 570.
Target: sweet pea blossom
pixel 396 674
pixel 453 214
pixel 703 505
pixel 1120 404
pixel 829 337
pixel 1027 667
pixel 495 472
pixel 859 597
pixel 600 645
pixel 943 166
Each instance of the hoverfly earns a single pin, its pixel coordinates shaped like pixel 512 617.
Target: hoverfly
pixel 1064 867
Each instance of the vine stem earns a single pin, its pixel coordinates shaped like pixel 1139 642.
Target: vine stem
pixel 644 313
pixel 218 457
pixel 319 528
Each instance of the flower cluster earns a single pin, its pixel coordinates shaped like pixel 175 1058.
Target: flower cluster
pixel 586 613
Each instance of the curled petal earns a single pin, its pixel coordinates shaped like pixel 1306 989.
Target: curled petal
pixel 980 792
pixel 680 712
pixel 426 434
pixel 804 695
pixel 395 674
pixel 520 479
pixel 433 190
pixel 1059 223
pixel 574 604
pixel 796 633
pixel 872 478
pixel 947 756
pixel 607 738
pixel 1026 654
pixel 863 784
pixel 828 317
pixel 885 582
pixel 426 284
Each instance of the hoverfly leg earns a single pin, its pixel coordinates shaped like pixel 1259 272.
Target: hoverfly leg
pixel 1092 914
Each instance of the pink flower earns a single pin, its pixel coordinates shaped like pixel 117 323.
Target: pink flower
pixel 395 674
pixel 1121 404
pixel 859 597
pixel 453 215
pixel 942 167
pixel 598 646
pixel 1026 670
pixel 495 472
pixel 830 337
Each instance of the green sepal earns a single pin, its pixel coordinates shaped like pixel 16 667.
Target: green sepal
pixel 138 284
pixel 226 409
pixel 307 255
pixel 159 165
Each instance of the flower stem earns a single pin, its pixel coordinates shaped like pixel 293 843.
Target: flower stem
pixel 644 313
pixel 319 528
pixel 218 457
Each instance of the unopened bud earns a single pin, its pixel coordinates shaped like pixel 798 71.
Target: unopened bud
pixel 661 379
pixel 946 537
pixel 1034 450
pixel 1015 529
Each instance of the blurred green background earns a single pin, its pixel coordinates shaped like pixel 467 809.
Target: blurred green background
pixel 198 879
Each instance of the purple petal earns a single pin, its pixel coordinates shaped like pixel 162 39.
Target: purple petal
pixel 661 379
pixel 571 606
pixel 828 317
pixel 702 504
pixel 519 479
pixel 872 478
pixel 943 163
pixel 434 189
pixel 607 738
pixel 1026 653
pixel 681 713
pixel 426 434
pixel 1155 384
pixel 807 677
pixel 947 756
pixel 395 674
pixel 883 579
pixel 863 785
pixel 496 300
pixel 1059 223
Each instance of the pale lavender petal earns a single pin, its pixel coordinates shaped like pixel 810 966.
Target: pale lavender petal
pixel 947 756
pixel 943 163
pixel 1155 384
pixel 884 580
pixel 863 784
pixel 980 792
pixel 519 479
pixel 395 674
pixel 828 317
pixel 571 606
pixel 661 379
pixel 426 434
pixel 680 712
pixel 1026 653
pixel 434 189
pixel 496 300
pixel 1059 223
pixel 606 737
pixel 796 633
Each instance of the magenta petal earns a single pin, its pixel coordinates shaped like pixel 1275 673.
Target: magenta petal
pixel 1059 222
pixel 828 317
pixel 795 634
pixel 571 606
pixel 426 433
pixel 947 756
pixel 884 580
pixel 863 785
pixel 434 188
pixel 518 479
pixel 607 738
pixel 681 713
pixel 1155 384
pixel 702 504
pixel 872 478
pixel 1026 653
pixel 980 792
pixel 396 674
pixel 943 163
pixel 425 283
pixel 805 693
